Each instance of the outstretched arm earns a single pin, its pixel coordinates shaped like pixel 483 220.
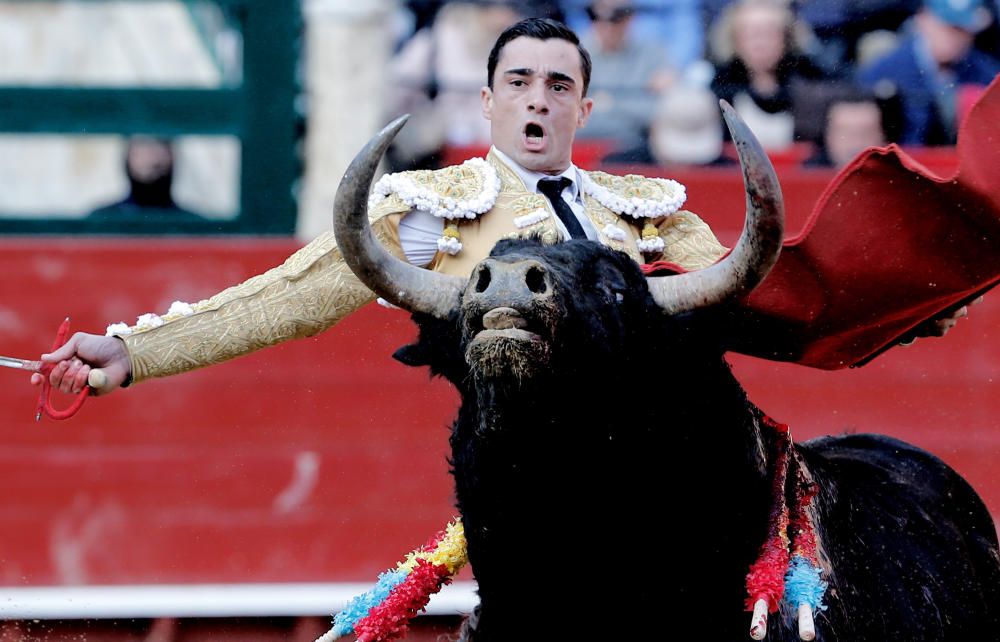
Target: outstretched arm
pixel 311 291
pixel 307 294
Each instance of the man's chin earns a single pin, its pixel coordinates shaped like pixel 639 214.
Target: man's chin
pixel 541 161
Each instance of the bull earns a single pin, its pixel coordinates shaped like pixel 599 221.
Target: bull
pixel 615 480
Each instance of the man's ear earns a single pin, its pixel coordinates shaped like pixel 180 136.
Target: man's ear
pixel 486 95
pixel 586 106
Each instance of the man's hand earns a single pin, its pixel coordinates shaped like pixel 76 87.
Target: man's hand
pixel 939 325
pixel 75 359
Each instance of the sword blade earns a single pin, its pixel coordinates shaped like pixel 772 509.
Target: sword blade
pixel 20 364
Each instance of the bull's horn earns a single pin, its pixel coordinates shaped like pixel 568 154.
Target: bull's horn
pixel 756 251
pixel 396 281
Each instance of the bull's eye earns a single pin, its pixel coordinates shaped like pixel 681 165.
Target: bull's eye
pixel 535 280
pixel 484 279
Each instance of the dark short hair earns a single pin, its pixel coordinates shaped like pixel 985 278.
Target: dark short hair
pixel 540 29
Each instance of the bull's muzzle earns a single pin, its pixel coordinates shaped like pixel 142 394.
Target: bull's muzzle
pixel 507 309
pixel 520 284
pixel 507 300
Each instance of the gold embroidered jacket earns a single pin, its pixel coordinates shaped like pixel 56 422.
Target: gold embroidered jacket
pixel 314 288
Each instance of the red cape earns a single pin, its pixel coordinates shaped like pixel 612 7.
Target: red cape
pixel 888 245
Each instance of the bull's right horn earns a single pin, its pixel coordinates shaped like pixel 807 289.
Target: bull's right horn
pixel 396 281
pixel 757 249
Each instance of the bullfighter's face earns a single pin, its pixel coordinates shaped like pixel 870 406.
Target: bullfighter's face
pixel 537 103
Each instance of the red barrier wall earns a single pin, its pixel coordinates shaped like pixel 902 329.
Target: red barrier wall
pixel 323 459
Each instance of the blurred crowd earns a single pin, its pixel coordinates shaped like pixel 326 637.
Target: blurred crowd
pixel 817 80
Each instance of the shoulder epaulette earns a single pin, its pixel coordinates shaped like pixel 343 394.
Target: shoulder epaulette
pixel 634 195
pixel 456 192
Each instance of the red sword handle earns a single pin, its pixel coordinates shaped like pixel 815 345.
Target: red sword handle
pixel 45 397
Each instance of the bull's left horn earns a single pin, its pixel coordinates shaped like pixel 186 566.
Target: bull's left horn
pixel 396 281
pixel 757 249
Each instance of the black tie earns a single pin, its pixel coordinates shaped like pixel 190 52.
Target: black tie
pixel 552 188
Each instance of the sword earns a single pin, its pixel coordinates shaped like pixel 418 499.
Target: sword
pixel 96 378
pixel 21 364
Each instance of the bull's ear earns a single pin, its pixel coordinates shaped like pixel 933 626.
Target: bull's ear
pixel 412 355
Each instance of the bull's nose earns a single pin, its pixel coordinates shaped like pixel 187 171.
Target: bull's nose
pixel 515 280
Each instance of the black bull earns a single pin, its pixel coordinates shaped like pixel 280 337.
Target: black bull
pixel 614 478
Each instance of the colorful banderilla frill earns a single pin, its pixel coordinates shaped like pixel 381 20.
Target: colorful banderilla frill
pixel 778 573
pixel 384 612
pixel 804 585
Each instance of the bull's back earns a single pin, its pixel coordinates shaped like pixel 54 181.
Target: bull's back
pixel 912 548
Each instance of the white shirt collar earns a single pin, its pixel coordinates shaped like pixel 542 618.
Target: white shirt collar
pixel 531 178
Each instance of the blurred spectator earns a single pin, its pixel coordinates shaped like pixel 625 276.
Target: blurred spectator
pixel 854 120
pixel 988 40
pixel 423 12
pixel 629 75
pixel 840 24
pixel 149 168
pixel 437 77
pixel 930 65
pixel 874 45
pixel 543 9
pixel 675 25
pixel 686 130
pixel 759 64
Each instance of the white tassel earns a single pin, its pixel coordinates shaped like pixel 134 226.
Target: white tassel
pixel 807 629
pixel 758 623
pixel 329 636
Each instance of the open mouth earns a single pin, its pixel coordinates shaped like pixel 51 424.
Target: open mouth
pixel 507 348
pixel 505 323
pixel 534 136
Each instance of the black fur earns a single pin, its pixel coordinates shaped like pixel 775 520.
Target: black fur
pixel 623 491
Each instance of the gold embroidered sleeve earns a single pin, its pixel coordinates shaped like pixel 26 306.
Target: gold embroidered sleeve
pixel 308 293
pixel 689 242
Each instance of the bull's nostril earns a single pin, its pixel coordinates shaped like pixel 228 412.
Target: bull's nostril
pixel 535 280
pixel 484 279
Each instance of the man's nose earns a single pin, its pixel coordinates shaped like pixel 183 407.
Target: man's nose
pixel 537 102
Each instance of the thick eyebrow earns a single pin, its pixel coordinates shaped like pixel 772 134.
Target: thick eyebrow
pixel 556 76
pixel 561 77
pixel 520 71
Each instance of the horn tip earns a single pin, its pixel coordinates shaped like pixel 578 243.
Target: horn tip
pixel 737 127
pixel 397 124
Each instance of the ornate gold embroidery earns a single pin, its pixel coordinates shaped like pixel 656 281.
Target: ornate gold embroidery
pixel 391 204
pixel 602 217
pixel 459 182
pixel 689 242
pixel 509 180
pixel 308 293
pixel 631 186
pixel 528 204
pixel 550 236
